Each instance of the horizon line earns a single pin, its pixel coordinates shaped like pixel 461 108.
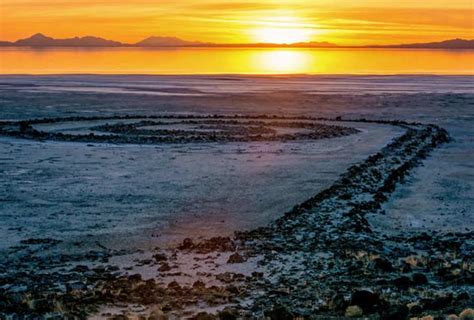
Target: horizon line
pixel 178 43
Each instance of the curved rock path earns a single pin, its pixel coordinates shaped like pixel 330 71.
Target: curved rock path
pixel 175 129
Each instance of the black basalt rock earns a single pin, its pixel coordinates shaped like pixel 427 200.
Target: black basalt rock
pixel 383 264
pixel 365 299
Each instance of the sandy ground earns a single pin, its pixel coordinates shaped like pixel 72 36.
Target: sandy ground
pixel 440 196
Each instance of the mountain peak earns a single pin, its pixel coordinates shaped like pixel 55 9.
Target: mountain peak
pixel 39 35
pixel 37 39
pixel 446 44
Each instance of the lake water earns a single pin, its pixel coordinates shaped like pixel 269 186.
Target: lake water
pixel 234 61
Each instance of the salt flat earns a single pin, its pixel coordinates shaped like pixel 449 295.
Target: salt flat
pixel 237 181
pixel 68 190
pixel 234 84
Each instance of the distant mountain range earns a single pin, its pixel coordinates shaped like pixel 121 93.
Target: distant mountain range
pixel 40 40
pixel 447 44
pixel 168 42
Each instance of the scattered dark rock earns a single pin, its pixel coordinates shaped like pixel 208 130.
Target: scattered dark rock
pixel 80 268
pixel 216 129
pixel 174 286
pixel 415 308
pixel 41 241
pixel 419 279
pixel 187 244
pixel 164 267
pixel 159 257
pixel 204 316
pixel 383 265
pixel 135 278
pixel 219 244
pixel 406 268
pixel 226 277
pixel 199 285
pixel 279 312
pixel 338 302
pixel 365 299
pixel 236 258
pixel 403 282
pixel 438 303
pixel 228 314
pixel 396 312
pixel 463 296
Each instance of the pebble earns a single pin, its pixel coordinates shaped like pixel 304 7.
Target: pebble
pixel 467 314
pixel 236 258
pixel 354 311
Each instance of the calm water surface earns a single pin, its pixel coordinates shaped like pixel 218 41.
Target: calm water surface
pixel 234 61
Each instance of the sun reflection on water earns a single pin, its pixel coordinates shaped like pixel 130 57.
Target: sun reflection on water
pixel 283 61
pixel 234 61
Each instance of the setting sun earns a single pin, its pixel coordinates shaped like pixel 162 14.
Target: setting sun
pixel 282 35
pixel 284 29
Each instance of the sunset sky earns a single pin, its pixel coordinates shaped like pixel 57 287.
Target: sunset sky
pixel 240 21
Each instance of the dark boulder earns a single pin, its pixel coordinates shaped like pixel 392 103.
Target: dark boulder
pixel 438 303
pixel 395 313
pixel 338 302
pixel 160 257
pixel 365 299
pixel 403 282
pixel 228 314
pixel 236 258
pixel 419 279
pixel 383 264
pixel 187 244
pixel 164 267
pixel 279 312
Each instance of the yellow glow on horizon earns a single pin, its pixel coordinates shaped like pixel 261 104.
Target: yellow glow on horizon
pixel 282 35
pixel 285 29
pixel 228 61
